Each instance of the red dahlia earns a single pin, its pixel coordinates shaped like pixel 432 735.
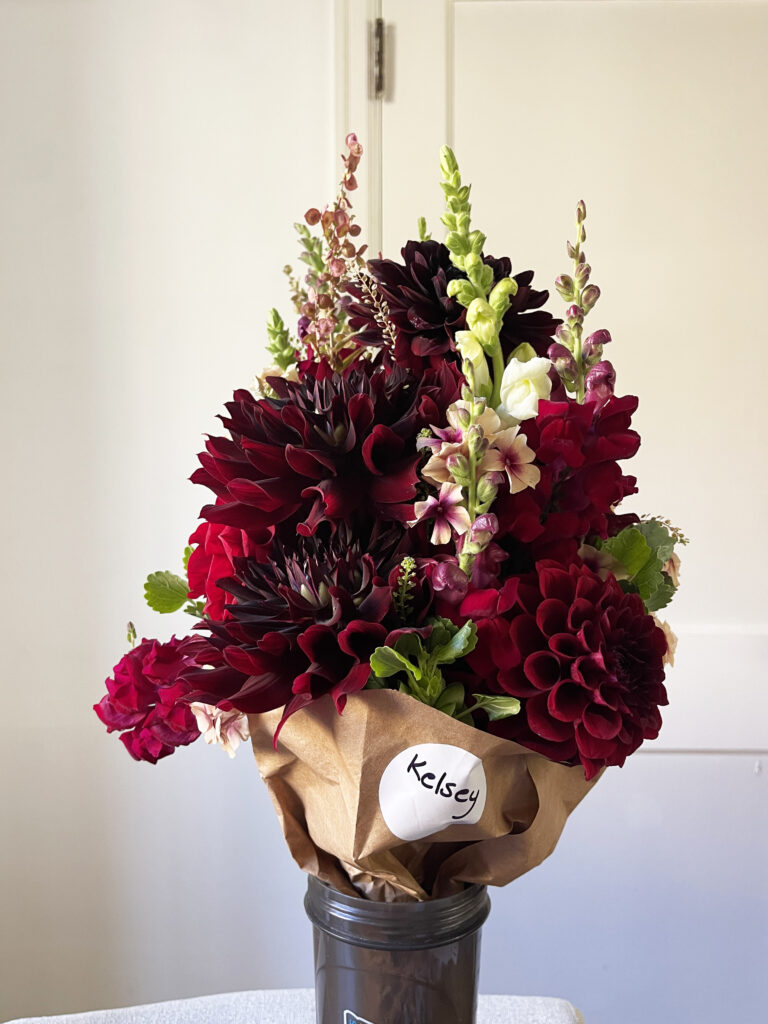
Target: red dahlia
pixel 337 449
pixel 303 624
pixel 426 319
pixel 586 660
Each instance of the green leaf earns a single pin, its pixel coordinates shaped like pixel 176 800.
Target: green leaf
pixel 661 597
pixel 630 548
pixel 460 644
pixel 196 609
pixel 496 707
pixel 165 591
pixel 386 662
pixel 658 537
pixel 450 699
pixel 187 555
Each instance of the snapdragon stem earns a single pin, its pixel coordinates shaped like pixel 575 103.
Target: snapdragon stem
pixel 498 372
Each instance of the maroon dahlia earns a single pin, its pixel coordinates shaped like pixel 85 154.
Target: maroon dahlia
pixel 303 624
pixel 337 449
pixel 586 660
pixel 426 319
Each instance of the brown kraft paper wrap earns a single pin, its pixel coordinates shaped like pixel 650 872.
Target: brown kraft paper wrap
pixel 325 779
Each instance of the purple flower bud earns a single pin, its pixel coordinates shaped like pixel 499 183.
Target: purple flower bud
pixel 302 327
pixel 589 297
pixel 592 350
pixel 600 382
pixel 581 211
pixel 564 285
pixel 484 529
pixel 581 274
pixel 598 338
pixel 563 360
pixel 450 581
pixel 571 250
pixel 574 314
pixel 564 336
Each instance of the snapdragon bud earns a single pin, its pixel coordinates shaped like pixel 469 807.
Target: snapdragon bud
pixel 476 441
pixel 574 315
pixel 565 336
pixel 486 490
pixel 589 297
pixel 484 529
pixel 450 581
pixel 581 274
pixel 461 290
pixel 564 285
pixel 572 251
pixel 581 211
pixel 499 297
pixel 464 417
pixel 458 466
pixel 483 322
pixel 563 361
pixel 600 382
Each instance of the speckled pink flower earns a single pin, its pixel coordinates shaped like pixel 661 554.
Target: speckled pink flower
pixel 448 512
pixel 513 457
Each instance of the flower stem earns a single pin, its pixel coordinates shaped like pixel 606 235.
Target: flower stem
pixel 498 372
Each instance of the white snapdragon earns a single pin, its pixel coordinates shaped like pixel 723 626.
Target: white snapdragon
pixel 522 385
pixel 473 353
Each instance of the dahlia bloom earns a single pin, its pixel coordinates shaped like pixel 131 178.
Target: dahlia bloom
pixel 144 698
pixel 584 657
pixel 425 318
pixel 330 448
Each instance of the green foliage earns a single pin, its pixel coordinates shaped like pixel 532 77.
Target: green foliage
pixel 424 235
pixel 131 634
pixel 165 592
pixel 416 662
pixel 642 551
pixel 496 707
pixel 187 555
pixel 280 344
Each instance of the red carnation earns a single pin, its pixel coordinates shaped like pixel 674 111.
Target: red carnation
pixel 212 560
pixel 586 660
pixel 144 698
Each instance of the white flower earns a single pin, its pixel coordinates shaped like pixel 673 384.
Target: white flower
pixel 225 728
pixel 472 352
pixel 522 385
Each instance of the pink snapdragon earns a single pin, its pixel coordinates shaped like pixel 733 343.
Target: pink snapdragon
pixel 447 510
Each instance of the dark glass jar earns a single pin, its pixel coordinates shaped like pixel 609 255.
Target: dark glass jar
pixel 390 963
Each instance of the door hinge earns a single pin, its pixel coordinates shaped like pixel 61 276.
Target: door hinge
pixel 379 83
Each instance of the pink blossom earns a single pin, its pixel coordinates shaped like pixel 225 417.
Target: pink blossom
pixel 448 512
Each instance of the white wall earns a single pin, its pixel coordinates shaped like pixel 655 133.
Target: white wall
pixel 153 157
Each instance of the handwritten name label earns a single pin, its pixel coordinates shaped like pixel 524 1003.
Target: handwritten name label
pixel 429 787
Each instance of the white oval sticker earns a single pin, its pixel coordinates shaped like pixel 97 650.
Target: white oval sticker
pixel 429 787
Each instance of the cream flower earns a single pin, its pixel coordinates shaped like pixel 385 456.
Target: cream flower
pixel 515 458
pixel 226 729
pixel 522 385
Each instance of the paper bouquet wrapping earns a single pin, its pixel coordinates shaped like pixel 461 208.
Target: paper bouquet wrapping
pixel 395 799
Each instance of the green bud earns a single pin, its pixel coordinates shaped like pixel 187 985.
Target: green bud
pixel 458 467
pixel 461 290
pixel 456 243
pixel 463 416
pixel 424 236
pixel 476 365
pixel 486 279
pixel 476 441
pixel 473 264
pixel 448 164
pixel 573 253
pixel 483 322
pixel 486 491
pixel 523 353
pixel 565 336
pixel 477 241
pixel 499 297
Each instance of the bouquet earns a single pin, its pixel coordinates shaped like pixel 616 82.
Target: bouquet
pixel 413 586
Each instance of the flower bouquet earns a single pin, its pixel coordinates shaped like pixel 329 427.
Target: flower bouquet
pixel 413 588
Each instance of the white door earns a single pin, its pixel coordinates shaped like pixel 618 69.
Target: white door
pixel 655 905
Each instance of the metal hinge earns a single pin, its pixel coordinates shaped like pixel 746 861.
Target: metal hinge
pixel 379 84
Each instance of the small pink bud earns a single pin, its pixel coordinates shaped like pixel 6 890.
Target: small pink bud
pixel 589 297
pixel 450 581
pixel 600 382
pixel 354 147
pixel 563 360
pixel 581 211
pixel 574 314
pixel 312 217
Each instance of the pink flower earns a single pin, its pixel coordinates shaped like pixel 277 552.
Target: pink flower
pixel 448 512
pixel 514 457
pixel 227 729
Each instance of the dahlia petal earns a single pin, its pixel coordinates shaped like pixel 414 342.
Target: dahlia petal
pixel 542 669
pixel 542 723
pixel 552 616
pixel 312 464
pixel 567 701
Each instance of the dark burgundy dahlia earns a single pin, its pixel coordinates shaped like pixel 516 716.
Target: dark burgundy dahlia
pixel 303 624
pixel 426 319
pixel 337 449
pixel 586 660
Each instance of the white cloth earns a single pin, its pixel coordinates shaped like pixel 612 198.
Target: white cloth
pixel 297 1006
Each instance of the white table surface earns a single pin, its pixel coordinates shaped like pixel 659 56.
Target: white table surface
pixel 297 1006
